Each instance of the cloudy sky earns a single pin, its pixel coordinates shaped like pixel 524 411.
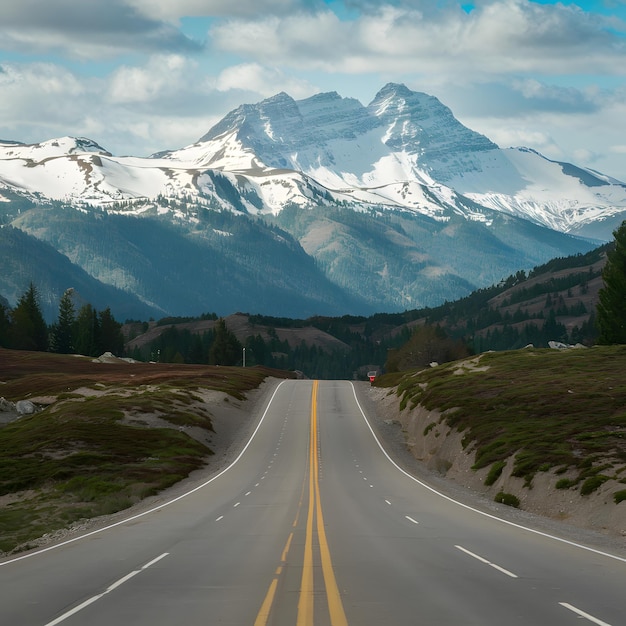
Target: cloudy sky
pixel 139 76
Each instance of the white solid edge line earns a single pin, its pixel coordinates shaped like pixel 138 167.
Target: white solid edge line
pixel 486 562
pixel 154 561
pixel 156 508
pixel 580 613
pixel 470 508
pixel 110 588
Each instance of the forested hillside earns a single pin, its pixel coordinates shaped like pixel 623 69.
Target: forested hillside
pixel 554 302
pixel 197 260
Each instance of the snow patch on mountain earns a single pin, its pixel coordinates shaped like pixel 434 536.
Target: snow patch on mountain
pixel 51 148
pixel 521 182
pixel 404 151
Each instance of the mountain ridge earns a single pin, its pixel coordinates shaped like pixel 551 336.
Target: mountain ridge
pixel 404 151
pixel 386 202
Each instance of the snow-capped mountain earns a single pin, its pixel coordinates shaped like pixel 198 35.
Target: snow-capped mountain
pixel 404 151
pixel 392 200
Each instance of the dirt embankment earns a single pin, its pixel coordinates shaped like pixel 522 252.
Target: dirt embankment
pixel 439 450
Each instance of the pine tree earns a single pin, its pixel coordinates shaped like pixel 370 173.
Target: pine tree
pixel 28 330
pixel 111 338
pixel 62 336
pixel 226 349
pixel 612 297
pixel 196 350
pixel 5 322
pixel 87 331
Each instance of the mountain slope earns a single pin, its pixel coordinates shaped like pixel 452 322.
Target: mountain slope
pixel 406 260
pixel 223 264
pixel 314 206
pixel 25 258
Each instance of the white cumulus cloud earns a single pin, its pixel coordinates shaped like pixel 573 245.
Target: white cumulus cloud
pixel 495 38
pixel 38 95
pixel 263 81
pixel 163 76
pixel 173 11
pixel 85 29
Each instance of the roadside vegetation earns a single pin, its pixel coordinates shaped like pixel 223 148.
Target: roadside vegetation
pixel 95 448
pixel 560 410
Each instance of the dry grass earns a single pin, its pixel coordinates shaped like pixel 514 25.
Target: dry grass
pixel 548 409
pixel 80 457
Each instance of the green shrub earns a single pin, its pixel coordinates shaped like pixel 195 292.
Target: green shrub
pixel 429 428
pixel 592 483
pixel 114 504
pixel 619 496
pixel 494 473
pixel 507 498
pixel 90 489
pixel 565 483
pixel 403 402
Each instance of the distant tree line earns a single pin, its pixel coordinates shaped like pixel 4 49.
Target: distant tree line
pixel 86 331
pixel 394 340
pixel 217 346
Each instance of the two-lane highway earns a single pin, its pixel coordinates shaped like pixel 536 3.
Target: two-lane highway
pixel 313 524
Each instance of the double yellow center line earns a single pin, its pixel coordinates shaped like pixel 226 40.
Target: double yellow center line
pixel 305 605
pixel 315 519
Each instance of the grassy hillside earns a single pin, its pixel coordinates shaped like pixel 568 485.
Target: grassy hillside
pixel 554 302
pixel 108 435
pixel 547 409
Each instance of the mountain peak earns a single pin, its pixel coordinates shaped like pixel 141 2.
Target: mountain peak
pixel 278 98
pixel 252 119
pixel 84 144
pixel 397 97
pixel 58 147
pixel 327 96
pixel 394 89
pixel 420 124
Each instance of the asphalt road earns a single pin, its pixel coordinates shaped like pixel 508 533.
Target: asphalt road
pixel 313 524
